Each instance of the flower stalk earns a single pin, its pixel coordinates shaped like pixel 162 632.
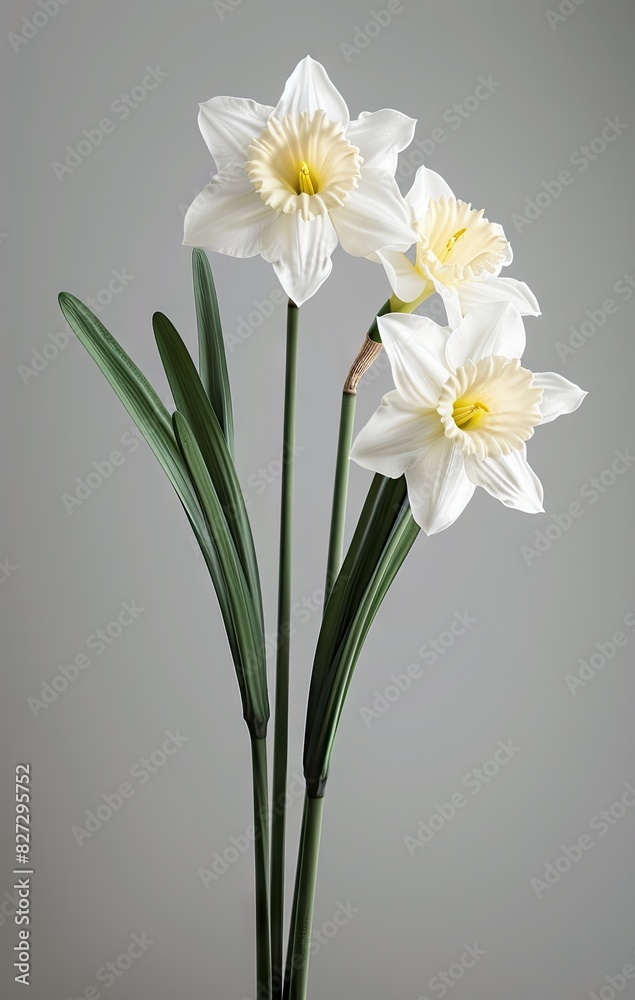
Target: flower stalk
pixel 281 731
pixel 261 854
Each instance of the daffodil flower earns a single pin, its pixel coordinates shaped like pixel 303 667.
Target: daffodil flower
pixel 461 413
pixel 295 180
pixel 459 254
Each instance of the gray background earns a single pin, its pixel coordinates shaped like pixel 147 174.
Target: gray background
pixel 122 207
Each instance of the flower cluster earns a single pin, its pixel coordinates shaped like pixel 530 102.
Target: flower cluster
pixel 294 181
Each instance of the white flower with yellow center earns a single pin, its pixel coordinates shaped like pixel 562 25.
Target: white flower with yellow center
pixel 295 180
pixel 461 413
pixel 459 254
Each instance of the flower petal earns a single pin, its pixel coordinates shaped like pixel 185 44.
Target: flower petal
pixel 438 487
pixel 300 251
pixel 393 438
pixel 496 328
pixel 426 186
pixel 478 293
pixel 510 479
pixel 406 282
pixel 559 395
pixel 450 296
pixel 380 136
pixel 227 216
pixel 415 346
pixel 310 89
pixel 374 216
pixel 229 125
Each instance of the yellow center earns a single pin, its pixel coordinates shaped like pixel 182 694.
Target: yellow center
pixel 450 245
pixel 468 415
pixel 305 180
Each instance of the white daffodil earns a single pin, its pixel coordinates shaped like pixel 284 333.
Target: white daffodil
pixel 461 413
pixel 459 254
pixel 296 179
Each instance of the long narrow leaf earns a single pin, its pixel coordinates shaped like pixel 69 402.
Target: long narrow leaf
pixel 192 401
pixel 384 536
pixel 153 420
pixel 252 676
pixel 212 359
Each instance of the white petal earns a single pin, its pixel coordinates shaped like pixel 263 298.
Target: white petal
pixel 310 89
pixel 380 136
pixel 405 280
pixel 510 479
pixel 438 487
pixel 394 437
pixel 300 251
pixel 227 216
pixel 477 293
pixel 496 328
pixel 415 346
pixel 559 396
pixel 451 301
pixel 374 216
pixel 426 186
pixel 229 125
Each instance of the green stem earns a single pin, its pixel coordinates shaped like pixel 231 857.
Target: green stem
pixel 281 734
pixel 294 908
pixel 298 959
pixel 261 853
pixel 340 491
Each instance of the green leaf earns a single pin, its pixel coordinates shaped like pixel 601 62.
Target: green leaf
pixel 385 533
pixel 153 420
pixel 192 401
pixel 212 359
pixel 252 672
